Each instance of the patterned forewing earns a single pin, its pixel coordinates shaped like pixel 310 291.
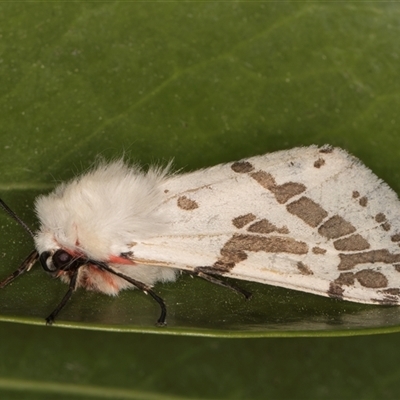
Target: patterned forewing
pixel 312 219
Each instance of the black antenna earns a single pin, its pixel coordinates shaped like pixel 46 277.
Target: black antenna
pixel 12 214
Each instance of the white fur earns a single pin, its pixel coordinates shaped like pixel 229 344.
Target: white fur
pixel 102 213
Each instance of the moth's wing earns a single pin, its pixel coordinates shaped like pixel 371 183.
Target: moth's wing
pixel 311 219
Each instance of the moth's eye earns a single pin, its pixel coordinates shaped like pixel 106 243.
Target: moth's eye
pixel 44 258
pixel 61 259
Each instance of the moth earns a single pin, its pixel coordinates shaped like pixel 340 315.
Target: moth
pixel 313 219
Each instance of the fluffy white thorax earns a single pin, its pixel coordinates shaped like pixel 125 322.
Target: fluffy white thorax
pixel 102 212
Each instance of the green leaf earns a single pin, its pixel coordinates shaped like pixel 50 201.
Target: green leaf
pixel 173 81
pixel 202 83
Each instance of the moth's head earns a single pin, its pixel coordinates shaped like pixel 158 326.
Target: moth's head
pixel 60 261
pixel 53 258
pixel 55 254
pixel 58 254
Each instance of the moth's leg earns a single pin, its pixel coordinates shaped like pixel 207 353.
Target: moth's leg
pixel 72 286
pixel 144 288
pixel 208 274
pixel 24 267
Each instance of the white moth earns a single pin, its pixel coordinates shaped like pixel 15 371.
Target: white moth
pixel 313 219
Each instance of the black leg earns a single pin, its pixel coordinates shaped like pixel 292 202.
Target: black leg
pixel 144 288
pixel 72 286
pixel 206 274
pixel 25 266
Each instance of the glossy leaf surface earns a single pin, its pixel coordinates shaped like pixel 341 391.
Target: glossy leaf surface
pixel 202 83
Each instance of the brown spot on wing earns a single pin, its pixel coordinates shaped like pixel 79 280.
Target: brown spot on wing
pixel 223 265
pixel 242 167
pixel 234 249
pixel 187 204
pixel 318 250
pixel 363 201
pixel 286 191
pixel 265 179
pixel 391 291
pixel 319 163
pixel 356 194
pixel 243 220
pixel 304 269
pixel 269 244
pixel 386 226
pixel 335 291
pixel 371 279
pixel 282 192
pixel 352 243
pixel 349 261
pixel 387 301
pixel 264 226
pixel 395 237
pixel 229 258
pixel 326 150
pixel 336 227
pixel 367 278
pixel 380 217
pixel 345 278
pixel 307 210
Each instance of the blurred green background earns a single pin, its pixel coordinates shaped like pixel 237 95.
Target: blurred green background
pixel 202 83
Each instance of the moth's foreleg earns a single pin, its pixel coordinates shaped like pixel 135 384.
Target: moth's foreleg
pixel 144 288
pixel 72 286
pixel 208 274
pixel 24 267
